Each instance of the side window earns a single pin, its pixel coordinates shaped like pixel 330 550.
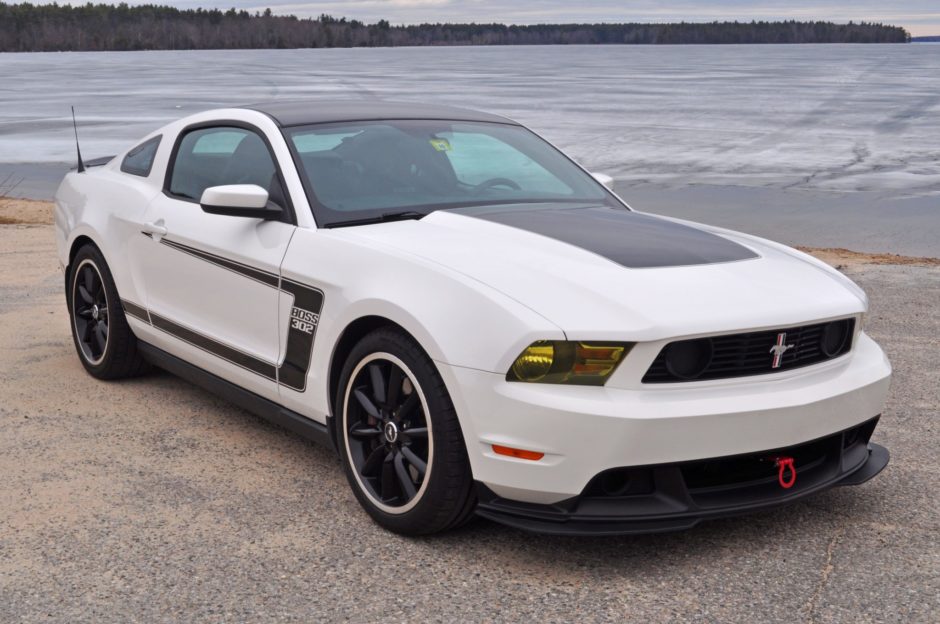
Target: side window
pixel 139 160
pixel 223 155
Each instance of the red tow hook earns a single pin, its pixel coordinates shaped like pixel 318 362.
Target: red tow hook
pixel 785 463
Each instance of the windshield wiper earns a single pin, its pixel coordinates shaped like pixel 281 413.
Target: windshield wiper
pixel 402 215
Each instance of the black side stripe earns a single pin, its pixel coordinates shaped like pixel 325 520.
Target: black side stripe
pixel 230 354
pixel 304 319
pixel 269 279
pixel 135 310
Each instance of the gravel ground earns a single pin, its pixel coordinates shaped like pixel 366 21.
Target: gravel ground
pixel 151 500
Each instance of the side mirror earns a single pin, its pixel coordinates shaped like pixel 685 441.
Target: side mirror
pixel 604 179
pixel 239 200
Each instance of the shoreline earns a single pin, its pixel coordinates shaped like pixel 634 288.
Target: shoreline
pixel 492 45
pixel 31 180
pixel 870 222
pixel 31 212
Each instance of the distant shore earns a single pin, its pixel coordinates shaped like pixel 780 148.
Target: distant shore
pixel 102 27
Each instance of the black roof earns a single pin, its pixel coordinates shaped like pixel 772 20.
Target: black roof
pixel 304 112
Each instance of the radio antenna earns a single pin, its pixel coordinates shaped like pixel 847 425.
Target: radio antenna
pixel 81 165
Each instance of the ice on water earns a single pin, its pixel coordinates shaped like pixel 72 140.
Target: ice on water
pixel 837 117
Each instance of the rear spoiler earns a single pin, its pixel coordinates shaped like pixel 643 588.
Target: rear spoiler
pixel 96 162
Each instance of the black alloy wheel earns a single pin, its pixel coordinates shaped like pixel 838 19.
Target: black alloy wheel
pixel 90 312
pixel 399 437
pixel 389 442
pixel 104 341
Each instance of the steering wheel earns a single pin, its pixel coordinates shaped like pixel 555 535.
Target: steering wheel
pixel 487 184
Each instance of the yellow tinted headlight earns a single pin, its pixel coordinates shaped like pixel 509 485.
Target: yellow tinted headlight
pixel 535 362
pixel 565 362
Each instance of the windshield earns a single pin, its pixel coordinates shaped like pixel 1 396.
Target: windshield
pixel 361 170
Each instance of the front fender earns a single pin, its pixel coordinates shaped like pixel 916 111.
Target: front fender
pixel 457 320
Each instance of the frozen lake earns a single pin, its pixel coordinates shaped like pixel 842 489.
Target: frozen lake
pixel 824 119
pixel 844 117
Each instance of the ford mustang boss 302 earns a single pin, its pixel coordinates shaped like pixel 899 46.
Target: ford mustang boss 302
pixel 475 323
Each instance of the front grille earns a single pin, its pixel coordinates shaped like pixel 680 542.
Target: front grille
pixel 741 355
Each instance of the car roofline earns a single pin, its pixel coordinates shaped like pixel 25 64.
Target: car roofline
pixel 292 113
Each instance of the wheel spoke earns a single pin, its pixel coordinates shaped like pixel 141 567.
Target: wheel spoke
pixel 389 483
pixel 100 338
pixel 104 328
pixel 84 313
pixel 374 461
pixel 358 431
pixel 85 294
pixel 416 432
pixel 395 378
pixel 404 479
pixel 420 465
pixel 367 404
pixel 98 290
pixel 88 275
pixel 378 382
pixel 86 332
pixel 406 408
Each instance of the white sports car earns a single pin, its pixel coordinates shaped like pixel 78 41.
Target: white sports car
pixel 476 323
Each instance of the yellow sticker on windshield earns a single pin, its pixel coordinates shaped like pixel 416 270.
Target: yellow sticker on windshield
pixel 441 145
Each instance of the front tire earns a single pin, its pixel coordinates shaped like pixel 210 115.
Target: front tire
pixel 105 344
pixel 399 438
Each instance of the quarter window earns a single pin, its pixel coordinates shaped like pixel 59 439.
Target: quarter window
pixel 219 156
pixel 139 161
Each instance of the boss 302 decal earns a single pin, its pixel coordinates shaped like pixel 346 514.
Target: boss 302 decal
pixel 304 318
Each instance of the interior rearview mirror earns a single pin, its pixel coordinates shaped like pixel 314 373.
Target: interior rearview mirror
pixel 239 200
pixel 604 179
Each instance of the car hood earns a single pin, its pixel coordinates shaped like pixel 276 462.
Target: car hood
pixel 608 273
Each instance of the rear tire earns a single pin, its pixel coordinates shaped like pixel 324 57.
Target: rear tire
pixel 399 438
pixel 105 344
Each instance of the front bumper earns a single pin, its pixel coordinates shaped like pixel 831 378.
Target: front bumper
pixel 670 497
pixel 584 431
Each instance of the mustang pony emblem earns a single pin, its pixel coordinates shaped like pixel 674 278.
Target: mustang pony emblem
pixel 779 349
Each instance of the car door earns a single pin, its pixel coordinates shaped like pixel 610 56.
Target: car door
pixel 212 281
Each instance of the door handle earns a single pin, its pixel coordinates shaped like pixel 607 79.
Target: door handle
pixel 156 229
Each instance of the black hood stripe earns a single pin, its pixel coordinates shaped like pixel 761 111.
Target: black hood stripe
pixel 631 239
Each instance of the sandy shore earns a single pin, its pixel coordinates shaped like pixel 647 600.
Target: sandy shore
pixel 151 500
pixel 842 258
pixel 25 211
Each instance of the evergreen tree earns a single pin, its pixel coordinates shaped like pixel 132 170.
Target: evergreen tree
pixel 52 27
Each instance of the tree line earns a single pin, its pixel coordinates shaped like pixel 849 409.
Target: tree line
pixel 51 27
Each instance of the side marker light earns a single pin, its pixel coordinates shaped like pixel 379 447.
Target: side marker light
pixel 517 453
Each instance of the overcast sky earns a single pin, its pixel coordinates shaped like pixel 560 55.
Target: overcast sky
pixel 920 17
